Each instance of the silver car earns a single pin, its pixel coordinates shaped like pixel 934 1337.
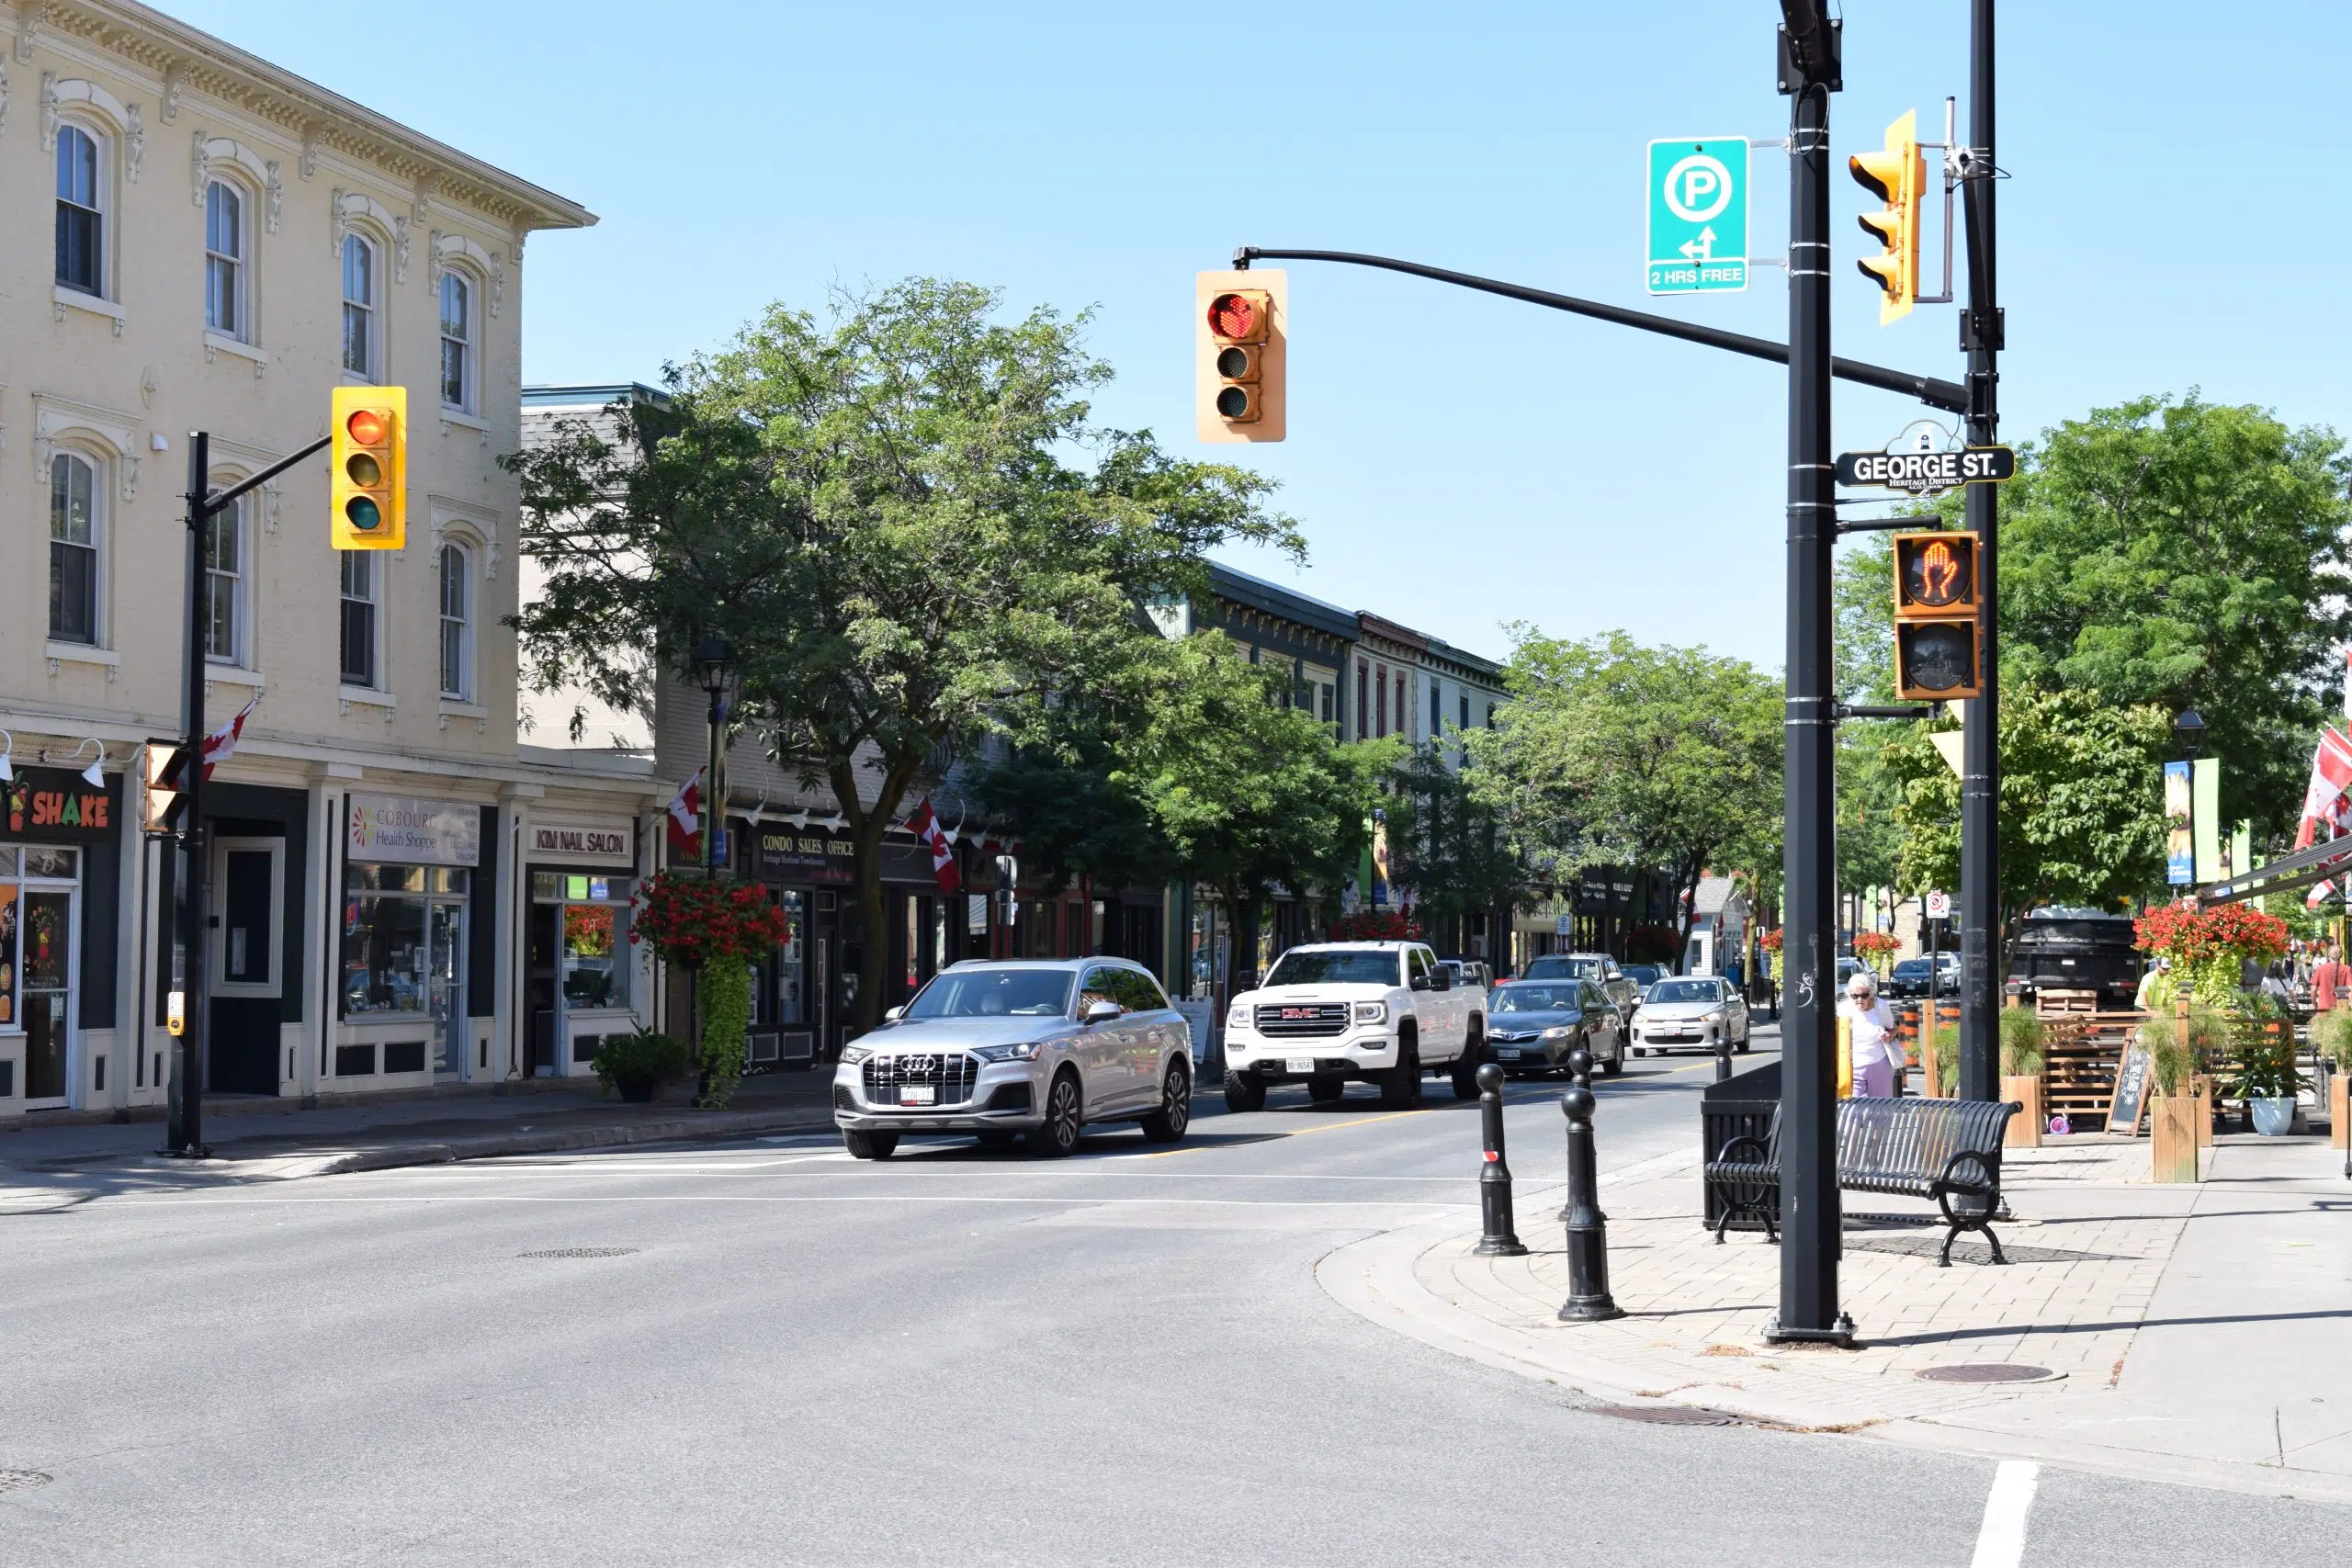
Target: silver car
pixel 1027 1048
pixel 1690 1011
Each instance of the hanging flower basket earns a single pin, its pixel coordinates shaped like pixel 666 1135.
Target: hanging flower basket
pixel 2206 947
pixel 1770 940
pixel 1874 948
pixel 694 920
pixel 1377 925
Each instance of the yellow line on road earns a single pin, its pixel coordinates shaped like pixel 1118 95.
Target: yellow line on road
pixel 1301 1132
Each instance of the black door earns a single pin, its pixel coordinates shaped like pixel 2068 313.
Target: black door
pixel 243 1036
pixel 539 938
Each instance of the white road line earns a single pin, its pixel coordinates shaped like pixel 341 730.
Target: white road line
pixel 2000 1543
pixel 146 1201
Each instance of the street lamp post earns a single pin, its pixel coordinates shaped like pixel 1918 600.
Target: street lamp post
pixel 2189 730
pixel 714 664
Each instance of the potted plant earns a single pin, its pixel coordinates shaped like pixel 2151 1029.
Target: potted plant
pixel 2022 1040
pixel 2171 1112
pixel 2332 1033
pixel 2266 1079
pixel 636 1066
pixel 1940 1060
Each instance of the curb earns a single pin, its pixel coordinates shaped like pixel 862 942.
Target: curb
pixel 717 1124
pixel 1376 1279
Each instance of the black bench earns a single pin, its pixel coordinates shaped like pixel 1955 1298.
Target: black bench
pixel 1947 1151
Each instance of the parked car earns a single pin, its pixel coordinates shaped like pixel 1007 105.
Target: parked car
pixel 1035 1049
pixel 1644 976
pixel 1475 973
pixel 1534 1024
pixel 1690 1012
pixel 1379 1012
pixel 1910 977
pixel 1595 966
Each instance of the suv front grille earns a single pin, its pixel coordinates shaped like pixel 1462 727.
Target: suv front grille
pixel 1301 1021
pixel 950 1075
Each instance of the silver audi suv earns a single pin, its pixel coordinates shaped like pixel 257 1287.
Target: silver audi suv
pixel 1033 1048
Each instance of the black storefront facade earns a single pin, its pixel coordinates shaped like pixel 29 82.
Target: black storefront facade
pixel 60 928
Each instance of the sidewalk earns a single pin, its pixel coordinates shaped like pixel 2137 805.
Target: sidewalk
pixel 2186 1334
pixel 257 1142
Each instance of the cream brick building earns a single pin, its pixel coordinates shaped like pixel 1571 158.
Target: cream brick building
pixel 198 239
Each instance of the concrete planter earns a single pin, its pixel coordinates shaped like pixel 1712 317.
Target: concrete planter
pixel 2025 1127
pixel 2172 1122
pixel 2274 1114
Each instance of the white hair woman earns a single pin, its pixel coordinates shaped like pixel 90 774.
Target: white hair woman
pixel 1872 1036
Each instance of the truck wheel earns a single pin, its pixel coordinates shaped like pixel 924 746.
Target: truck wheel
pixel 870 1145
pixel 1465 1066
pixel 1325 1087
pixel 1244 1091
pixel 1400 1086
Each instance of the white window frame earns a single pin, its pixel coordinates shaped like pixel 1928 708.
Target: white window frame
pixel 239 517
pixel 102 145
pixel 372 339
pixel 100 468
pixel 459 626
pixel 218 953
pixel 372 559
pixel 240 327
pixel 469 357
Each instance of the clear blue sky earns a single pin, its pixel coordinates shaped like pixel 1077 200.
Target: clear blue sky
pixel 1457 461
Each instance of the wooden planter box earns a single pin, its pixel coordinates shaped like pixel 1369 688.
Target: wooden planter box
pixel 2339 1108
pixel 2025 1128
pixel 2201 1086
pixel 2173 1120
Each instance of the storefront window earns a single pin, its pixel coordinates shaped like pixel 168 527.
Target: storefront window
pixel 34 935
pixel 791 960
pixel 593 953
pixel 384 946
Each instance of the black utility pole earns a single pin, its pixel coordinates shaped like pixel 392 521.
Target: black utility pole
pixel 184 1131
pixel 1809 53
pixel 1980 780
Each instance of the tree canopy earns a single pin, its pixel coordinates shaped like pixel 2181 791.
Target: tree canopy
pixel 904 522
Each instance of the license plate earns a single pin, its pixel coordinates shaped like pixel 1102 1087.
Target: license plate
pixel 1299 1065
pixel 917 1094
pixel 1506 1053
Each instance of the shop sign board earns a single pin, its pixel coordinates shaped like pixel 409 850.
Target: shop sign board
pixel 53 806
pixel 600 843
pixel 785 854
pixel 415 832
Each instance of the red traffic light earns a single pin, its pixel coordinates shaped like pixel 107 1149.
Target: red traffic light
pixel 366 427
pixel 1235 317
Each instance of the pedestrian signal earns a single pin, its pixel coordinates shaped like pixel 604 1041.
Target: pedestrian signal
pixel 164 767
pixel 368 488
pixel 1935 617
pixel 1240 334
pixel 1898 177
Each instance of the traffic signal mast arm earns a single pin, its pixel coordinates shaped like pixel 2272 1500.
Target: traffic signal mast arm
pixel 1949 396
pixel 221 500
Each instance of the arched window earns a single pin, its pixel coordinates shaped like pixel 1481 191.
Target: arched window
pixel 76 534
pixel 456 342
pixel 224 259
pixel 457 624
pixel 80 223
pixel 359 306
pixel 226 586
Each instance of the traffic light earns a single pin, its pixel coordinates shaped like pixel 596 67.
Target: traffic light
pixel 1897 176
pixel 368 487
pixel 1241 329
pixel 1935 617
pixel 163 764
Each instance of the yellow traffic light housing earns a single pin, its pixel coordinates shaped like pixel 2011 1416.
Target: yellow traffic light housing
pixel 1898 177
pixel 1240 334
pixel 1936 638
pixel 368 488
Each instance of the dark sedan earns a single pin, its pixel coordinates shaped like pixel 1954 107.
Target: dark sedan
pixel 1910 977
pixel 1532 1025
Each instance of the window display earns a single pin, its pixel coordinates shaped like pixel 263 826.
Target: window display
pixel 386 959
pixel 594 957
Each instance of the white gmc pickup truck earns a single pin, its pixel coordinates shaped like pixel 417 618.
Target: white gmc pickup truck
pixel 1384 1012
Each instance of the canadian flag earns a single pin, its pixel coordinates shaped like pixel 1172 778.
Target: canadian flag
pixel 222 744
pixel 925 825
pixel 685 816
pixel 2323 799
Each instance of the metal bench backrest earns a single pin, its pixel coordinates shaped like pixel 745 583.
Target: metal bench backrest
pixel 1916 1138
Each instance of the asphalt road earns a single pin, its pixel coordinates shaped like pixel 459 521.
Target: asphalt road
pixel 775 1355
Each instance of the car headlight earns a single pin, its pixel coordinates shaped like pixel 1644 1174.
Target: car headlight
pixel 853 1055
pixel 1714 1017
pixel 1371 1012
pixel 1020 1051
pixel 1239 1017
pixel 1560 1033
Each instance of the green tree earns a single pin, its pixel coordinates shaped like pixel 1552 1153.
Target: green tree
pixel 2186 554
pixel 903 522
pixel 2081 807
pixel 1445 846
pixel 1611 753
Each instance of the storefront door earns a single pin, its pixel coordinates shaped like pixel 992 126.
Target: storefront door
pixel 46 993
pixel 445 986
pixel 246 985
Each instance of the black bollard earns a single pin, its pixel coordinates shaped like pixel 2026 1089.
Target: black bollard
pixel 1589 1300
pixel 1723 1056
pixel 1500 1239
pixel 1580 1075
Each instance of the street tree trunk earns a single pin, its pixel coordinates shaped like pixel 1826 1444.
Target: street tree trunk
pixel 866 826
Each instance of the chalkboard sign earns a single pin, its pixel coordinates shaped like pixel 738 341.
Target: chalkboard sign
pixel 2130 1102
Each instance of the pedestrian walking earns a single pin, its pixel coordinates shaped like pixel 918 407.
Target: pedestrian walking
pixel 2331 982
pixel 2274 984
pixel 1872 1033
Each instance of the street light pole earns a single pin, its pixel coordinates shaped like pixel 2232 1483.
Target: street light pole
pixel 713 663
pixel 1980 778
pixel 1810 1216
pixel 183 1129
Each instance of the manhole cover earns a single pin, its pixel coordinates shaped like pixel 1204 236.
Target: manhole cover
pixel 1986 1371
pixel 20 1480
pixel 1666 1415
pixel 583 1252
